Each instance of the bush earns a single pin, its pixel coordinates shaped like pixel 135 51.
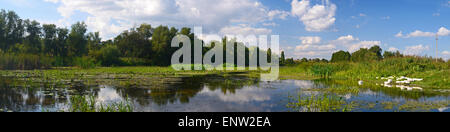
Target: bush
pixel 85 62
pixel 109 56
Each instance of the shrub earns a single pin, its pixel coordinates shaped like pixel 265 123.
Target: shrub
pixel 109 56
pixel 85 62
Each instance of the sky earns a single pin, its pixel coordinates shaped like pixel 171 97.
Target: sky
pixel 307 28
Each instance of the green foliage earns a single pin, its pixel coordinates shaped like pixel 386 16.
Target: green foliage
pixel 389 54
pixel 109 55
pixel 77 40
pixel 136 42
pixel 10 61
pixel 341 56
pixel 85 62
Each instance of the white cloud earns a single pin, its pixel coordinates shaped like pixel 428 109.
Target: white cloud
pixel 446 55
pixel 244 30
pixel 441 32
pixel 446 52
pixel 278 14
pixel 110 17
pixel 315 18
pixel 310 40
pixel 416 50
pixel 311 48
pixel 392 49
pixel 270 24
pixel 362 15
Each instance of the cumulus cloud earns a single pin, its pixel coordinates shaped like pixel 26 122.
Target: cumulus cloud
pixel 392 49
pixel 441 32
pixel 416 50
pixel 446 55
pixel 310 40
pixel 317 17
pixel 313 47
pixel 110 17
pixel 244 30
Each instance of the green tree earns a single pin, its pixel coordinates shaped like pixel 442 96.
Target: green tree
pixel 282 58
pixel 3 30
pixel 61 42
pixel 109 56
pixel 161 44
pixel 50 37
pixel 33 39
pixel 14 30
pixel 77 40
pixel 363 55
pixel 378 51
pixel 341 56
pixel 94 41
pixel 135 43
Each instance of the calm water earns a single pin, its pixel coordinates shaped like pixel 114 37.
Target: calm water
pixel 202 94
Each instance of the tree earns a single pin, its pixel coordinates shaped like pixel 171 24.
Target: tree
pixel 304 60
pixel 377 50
pixel 135 43
pixel 94 41
pixel 61 42
pixel 161 44
pixel 50 39
pixel 3 30
pixel 109 55
pixel 363 55
pixel 389 54
pixel 282 58
pixel 77 40
pixel 33 39
pixel 14 29
pixel 341 56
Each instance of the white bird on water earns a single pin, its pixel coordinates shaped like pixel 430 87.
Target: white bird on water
pixel 360 82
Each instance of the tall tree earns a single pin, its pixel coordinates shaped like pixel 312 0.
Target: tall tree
pixel 50 37
pixel 94 41
pixel 61 42
pixel 14 29
pixel 77 40
pixel 161 45
pixel 282 58
pixel 3 30
pixel 33 39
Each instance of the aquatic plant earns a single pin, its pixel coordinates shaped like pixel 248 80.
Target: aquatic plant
pixel 89 104
pixel 320 103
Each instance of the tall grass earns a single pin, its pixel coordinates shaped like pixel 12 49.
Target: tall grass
pixel 89 104
pixel 9 61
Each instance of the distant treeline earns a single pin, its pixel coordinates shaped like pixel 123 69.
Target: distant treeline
pixel 26 44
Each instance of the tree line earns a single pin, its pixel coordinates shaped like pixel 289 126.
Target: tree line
pixel 24 42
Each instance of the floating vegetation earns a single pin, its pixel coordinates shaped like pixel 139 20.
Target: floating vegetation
pixel 320 103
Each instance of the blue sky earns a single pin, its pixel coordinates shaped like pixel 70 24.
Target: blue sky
pixel 307 28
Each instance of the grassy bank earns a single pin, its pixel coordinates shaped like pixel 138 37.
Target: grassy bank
pixel 435 74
